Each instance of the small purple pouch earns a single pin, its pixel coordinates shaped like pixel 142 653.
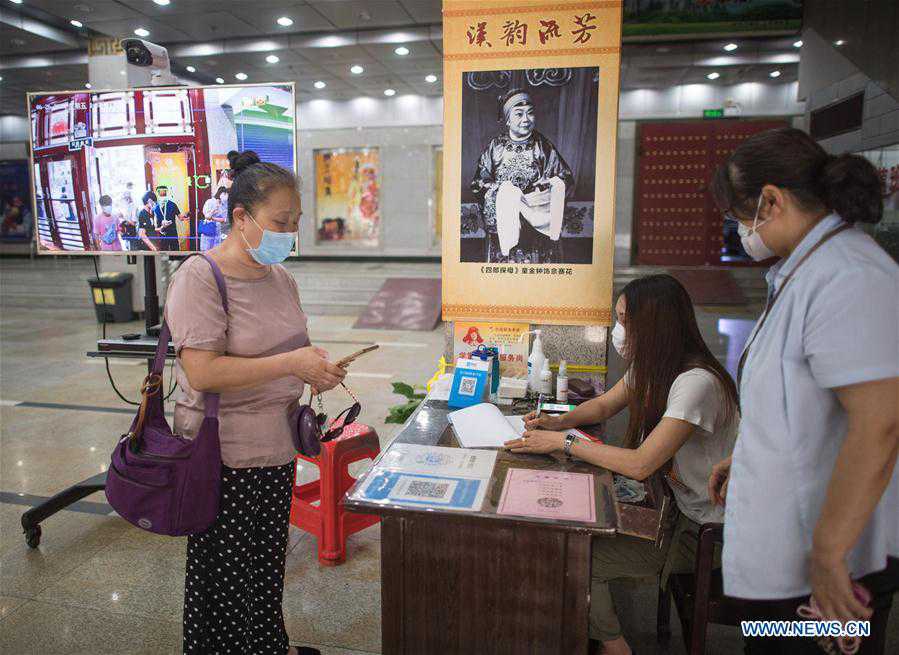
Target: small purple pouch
pixel 307 434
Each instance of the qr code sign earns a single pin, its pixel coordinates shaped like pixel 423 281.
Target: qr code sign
pixel 467 386
pixel 425 489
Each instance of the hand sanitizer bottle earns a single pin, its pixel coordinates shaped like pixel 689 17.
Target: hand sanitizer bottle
pixel 546 380
pixel 535 361
pixel 562 383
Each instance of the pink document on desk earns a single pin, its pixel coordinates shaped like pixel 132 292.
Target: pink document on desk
pixel 549 495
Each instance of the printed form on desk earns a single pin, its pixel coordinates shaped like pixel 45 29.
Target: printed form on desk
pixel 484 426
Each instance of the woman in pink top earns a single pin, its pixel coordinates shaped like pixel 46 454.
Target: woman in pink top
pixel 258 357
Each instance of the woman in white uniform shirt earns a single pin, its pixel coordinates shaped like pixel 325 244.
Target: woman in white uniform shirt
pixel 683 419
pixel 812 496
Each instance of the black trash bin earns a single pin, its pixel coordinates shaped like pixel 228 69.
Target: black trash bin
pixel 112 297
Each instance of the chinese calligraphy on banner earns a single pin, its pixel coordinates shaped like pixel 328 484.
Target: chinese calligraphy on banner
pixel 531 111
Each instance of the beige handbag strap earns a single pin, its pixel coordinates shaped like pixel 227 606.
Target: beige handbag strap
pixel 148 388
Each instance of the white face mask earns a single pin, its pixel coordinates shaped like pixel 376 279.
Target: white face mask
pixel 752 241
pixel 619 338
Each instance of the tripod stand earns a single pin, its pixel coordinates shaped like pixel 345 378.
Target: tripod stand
pixel 144 347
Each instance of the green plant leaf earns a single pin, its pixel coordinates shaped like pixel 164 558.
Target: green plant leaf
pixel 403 389
pixel 401 413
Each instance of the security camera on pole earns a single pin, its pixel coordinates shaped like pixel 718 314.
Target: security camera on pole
pixel 147 64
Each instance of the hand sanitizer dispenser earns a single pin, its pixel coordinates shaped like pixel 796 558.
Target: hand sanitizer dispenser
pixel 535 361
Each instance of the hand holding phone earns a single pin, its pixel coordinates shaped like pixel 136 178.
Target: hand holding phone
pixel 346 361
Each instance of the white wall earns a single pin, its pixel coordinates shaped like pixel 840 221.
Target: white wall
pixel 684 101
pixel 367 112
pixel 406 203
pixel 688 100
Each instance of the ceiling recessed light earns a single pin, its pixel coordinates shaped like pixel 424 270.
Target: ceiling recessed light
pixel 402 51
pixel 219 80
pixel 240 76
pixel 16 2
pixel 839 42
pixel 430 79
pixel 774 73
pixel 273 59
pixel 356 69
pixel 389 92
pixel 285 21
pixel 87 85
pixel 141 32
pixel 76 23
pixel 713 76
pixel 1 77
pixel 162 2
pixel 191 69
pixel 319 85
pixel 730 47
pixel 797 44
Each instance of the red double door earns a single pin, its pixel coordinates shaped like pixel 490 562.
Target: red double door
pixel 677 223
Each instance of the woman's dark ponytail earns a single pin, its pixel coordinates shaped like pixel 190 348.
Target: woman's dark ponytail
pixel 791 159
pixel 850 186
pixel 253 179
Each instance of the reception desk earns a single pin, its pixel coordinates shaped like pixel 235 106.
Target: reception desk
pixel 480 582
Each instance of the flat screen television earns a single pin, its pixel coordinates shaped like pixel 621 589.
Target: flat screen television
pixel 137 171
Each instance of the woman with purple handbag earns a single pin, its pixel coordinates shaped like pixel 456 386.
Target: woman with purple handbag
pixel 255 355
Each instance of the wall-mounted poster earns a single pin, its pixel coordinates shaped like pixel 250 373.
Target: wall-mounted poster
pixel 16 219
pixel 529 182
pixel 347 195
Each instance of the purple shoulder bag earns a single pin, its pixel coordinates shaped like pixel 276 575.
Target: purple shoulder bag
pixel 160 481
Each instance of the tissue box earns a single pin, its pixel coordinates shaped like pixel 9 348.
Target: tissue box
pixel 512 388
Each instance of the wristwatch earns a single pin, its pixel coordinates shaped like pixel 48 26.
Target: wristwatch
pixel 569 442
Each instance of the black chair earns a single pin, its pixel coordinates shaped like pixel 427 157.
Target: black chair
pixel 699 596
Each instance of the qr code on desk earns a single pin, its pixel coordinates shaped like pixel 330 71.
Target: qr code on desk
pixel 467 386
pixel 424 489
pixel 430 491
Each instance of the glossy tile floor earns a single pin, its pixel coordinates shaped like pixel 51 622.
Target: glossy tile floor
pixel 97 585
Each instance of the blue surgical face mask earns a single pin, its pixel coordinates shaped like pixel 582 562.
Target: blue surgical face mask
pixel 274 247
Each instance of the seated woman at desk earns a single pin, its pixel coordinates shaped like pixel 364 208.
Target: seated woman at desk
pixel 683 416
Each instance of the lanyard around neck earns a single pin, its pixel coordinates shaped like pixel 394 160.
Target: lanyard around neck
pixel 776 295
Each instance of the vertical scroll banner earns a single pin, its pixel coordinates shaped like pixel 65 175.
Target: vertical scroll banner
pixel 530 124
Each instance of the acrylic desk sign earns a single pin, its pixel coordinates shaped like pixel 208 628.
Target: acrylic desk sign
pixel 470 383
pixel 549 495
pixel 412 489
pixel 430 477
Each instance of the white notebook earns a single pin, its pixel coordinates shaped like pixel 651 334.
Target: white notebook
pixel 484 426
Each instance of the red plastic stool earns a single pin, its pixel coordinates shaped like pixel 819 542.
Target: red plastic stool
pixel 328 520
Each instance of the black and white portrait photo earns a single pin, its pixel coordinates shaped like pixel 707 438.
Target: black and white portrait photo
pixel 528 165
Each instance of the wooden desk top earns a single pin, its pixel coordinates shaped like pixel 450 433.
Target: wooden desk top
pixel 429 426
